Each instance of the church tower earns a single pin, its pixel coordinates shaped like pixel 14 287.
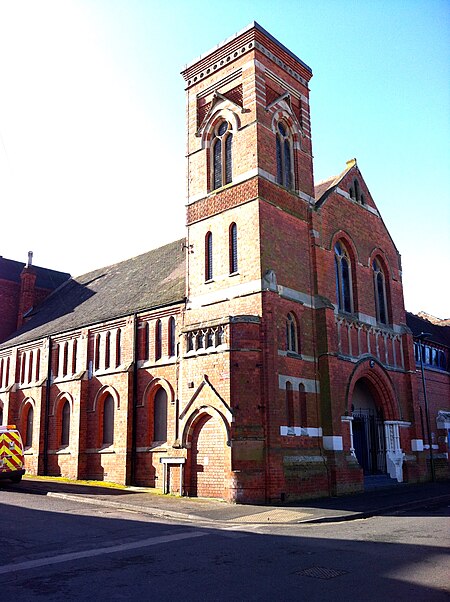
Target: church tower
pixel 249 295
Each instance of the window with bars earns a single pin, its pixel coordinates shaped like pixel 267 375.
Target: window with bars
pixel 343 275
pixel 285 173
pixel 222 172
pixel 208 256
pixel 233 249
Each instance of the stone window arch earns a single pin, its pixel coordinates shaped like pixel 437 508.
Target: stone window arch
pixel 221 155
pixel 284 155
pixel 343 275
pixel 291 333
pixel 379 282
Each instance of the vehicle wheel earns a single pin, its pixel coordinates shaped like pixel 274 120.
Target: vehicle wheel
pixel 16 479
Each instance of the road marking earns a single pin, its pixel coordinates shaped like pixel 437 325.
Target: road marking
pixel 143 543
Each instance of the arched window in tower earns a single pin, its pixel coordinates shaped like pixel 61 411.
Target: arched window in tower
pixel 208 256
pixel 342 262
pixel 302 405
pixel 222 172
pixel 171 337
pixel 233 249
pixel 289 404
pixel 158 340
pixel 160 415
pixel 29 426
pixel 285 173
pixel 291 333
pixel 65 424
pixel 108 421
pixel 379 280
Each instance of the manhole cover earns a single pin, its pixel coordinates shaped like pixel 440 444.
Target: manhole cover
pixel 320 572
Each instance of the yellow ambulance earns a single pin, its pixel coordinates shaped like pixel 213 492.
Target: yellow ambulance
pixel 11 454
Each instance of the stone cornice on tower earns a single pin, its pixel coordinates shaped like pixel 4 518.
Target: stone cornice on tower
pixel 247 40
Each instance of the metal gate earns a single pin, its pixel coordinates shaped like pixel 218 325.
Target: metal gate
pixel 369 441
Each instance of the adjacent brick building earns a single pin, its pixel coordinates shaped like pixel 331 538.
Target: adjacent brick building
pixel 264 357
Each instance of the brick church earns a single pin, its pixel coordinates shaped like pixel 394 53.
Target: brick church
pixel 266 356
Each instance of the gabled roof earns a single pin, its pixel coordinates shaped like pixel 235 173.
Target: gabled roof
pixel 323 188
pixel 439 334
pixel 151 280
pixel 49 279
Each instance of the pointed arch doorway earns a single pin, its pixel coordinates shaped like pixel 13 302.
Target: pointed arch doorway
pixel 207 454
pixel 368 430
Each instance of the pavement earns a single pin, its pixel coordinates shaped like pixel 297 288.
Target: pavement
pixel 399 498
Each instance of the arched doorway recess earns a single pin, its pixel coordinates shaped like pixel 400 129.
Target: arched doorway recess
pixel 207 451
pixel 368 430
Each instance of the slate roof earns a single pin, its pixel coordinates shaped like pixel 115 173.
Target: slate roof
pixel 439 334
pixel 151 280
pixel 49 279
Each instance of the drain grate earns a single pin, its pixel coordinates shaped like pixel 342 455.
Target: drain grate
pixel 320 572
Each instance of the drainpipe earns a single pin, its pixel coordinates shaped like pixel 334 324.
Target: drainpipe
pixel 134 415
pixel 47 404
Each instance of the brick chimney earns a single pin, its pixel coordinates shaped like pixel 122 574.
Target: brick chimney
pixel 27 289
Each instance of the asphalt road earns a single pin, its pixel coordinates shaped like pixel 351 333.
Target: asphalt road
pixel 56 549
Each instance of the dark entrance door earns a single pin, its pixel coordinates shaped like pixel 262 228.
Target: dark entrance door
pixel 369 441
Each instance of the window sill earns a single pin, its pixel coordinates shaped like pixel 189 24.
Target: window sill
pixel 107 449
pixel 209 281
pixel 233 274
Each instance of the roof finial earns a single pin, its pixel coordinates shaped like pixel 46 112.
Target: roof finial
pixel 30 259
pixel 351 163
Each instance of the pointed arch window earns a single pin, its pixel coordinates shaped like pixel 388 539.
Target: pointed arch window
pixel 302 404
pixel 285 173
pixel 379 281
pixel 108 421
pixel 158 340
pixel 160 416
pixel 171 337
pixel 65 424
pixel 29 426
pixel 233 249
pixel 343 274
pixel 222 141
pixel 291 333
pixel 118 347
pixel 289 404
pixel 208 256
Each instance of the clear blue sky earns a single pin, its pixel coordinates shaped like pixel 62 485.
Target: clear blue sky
pixel 92 121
